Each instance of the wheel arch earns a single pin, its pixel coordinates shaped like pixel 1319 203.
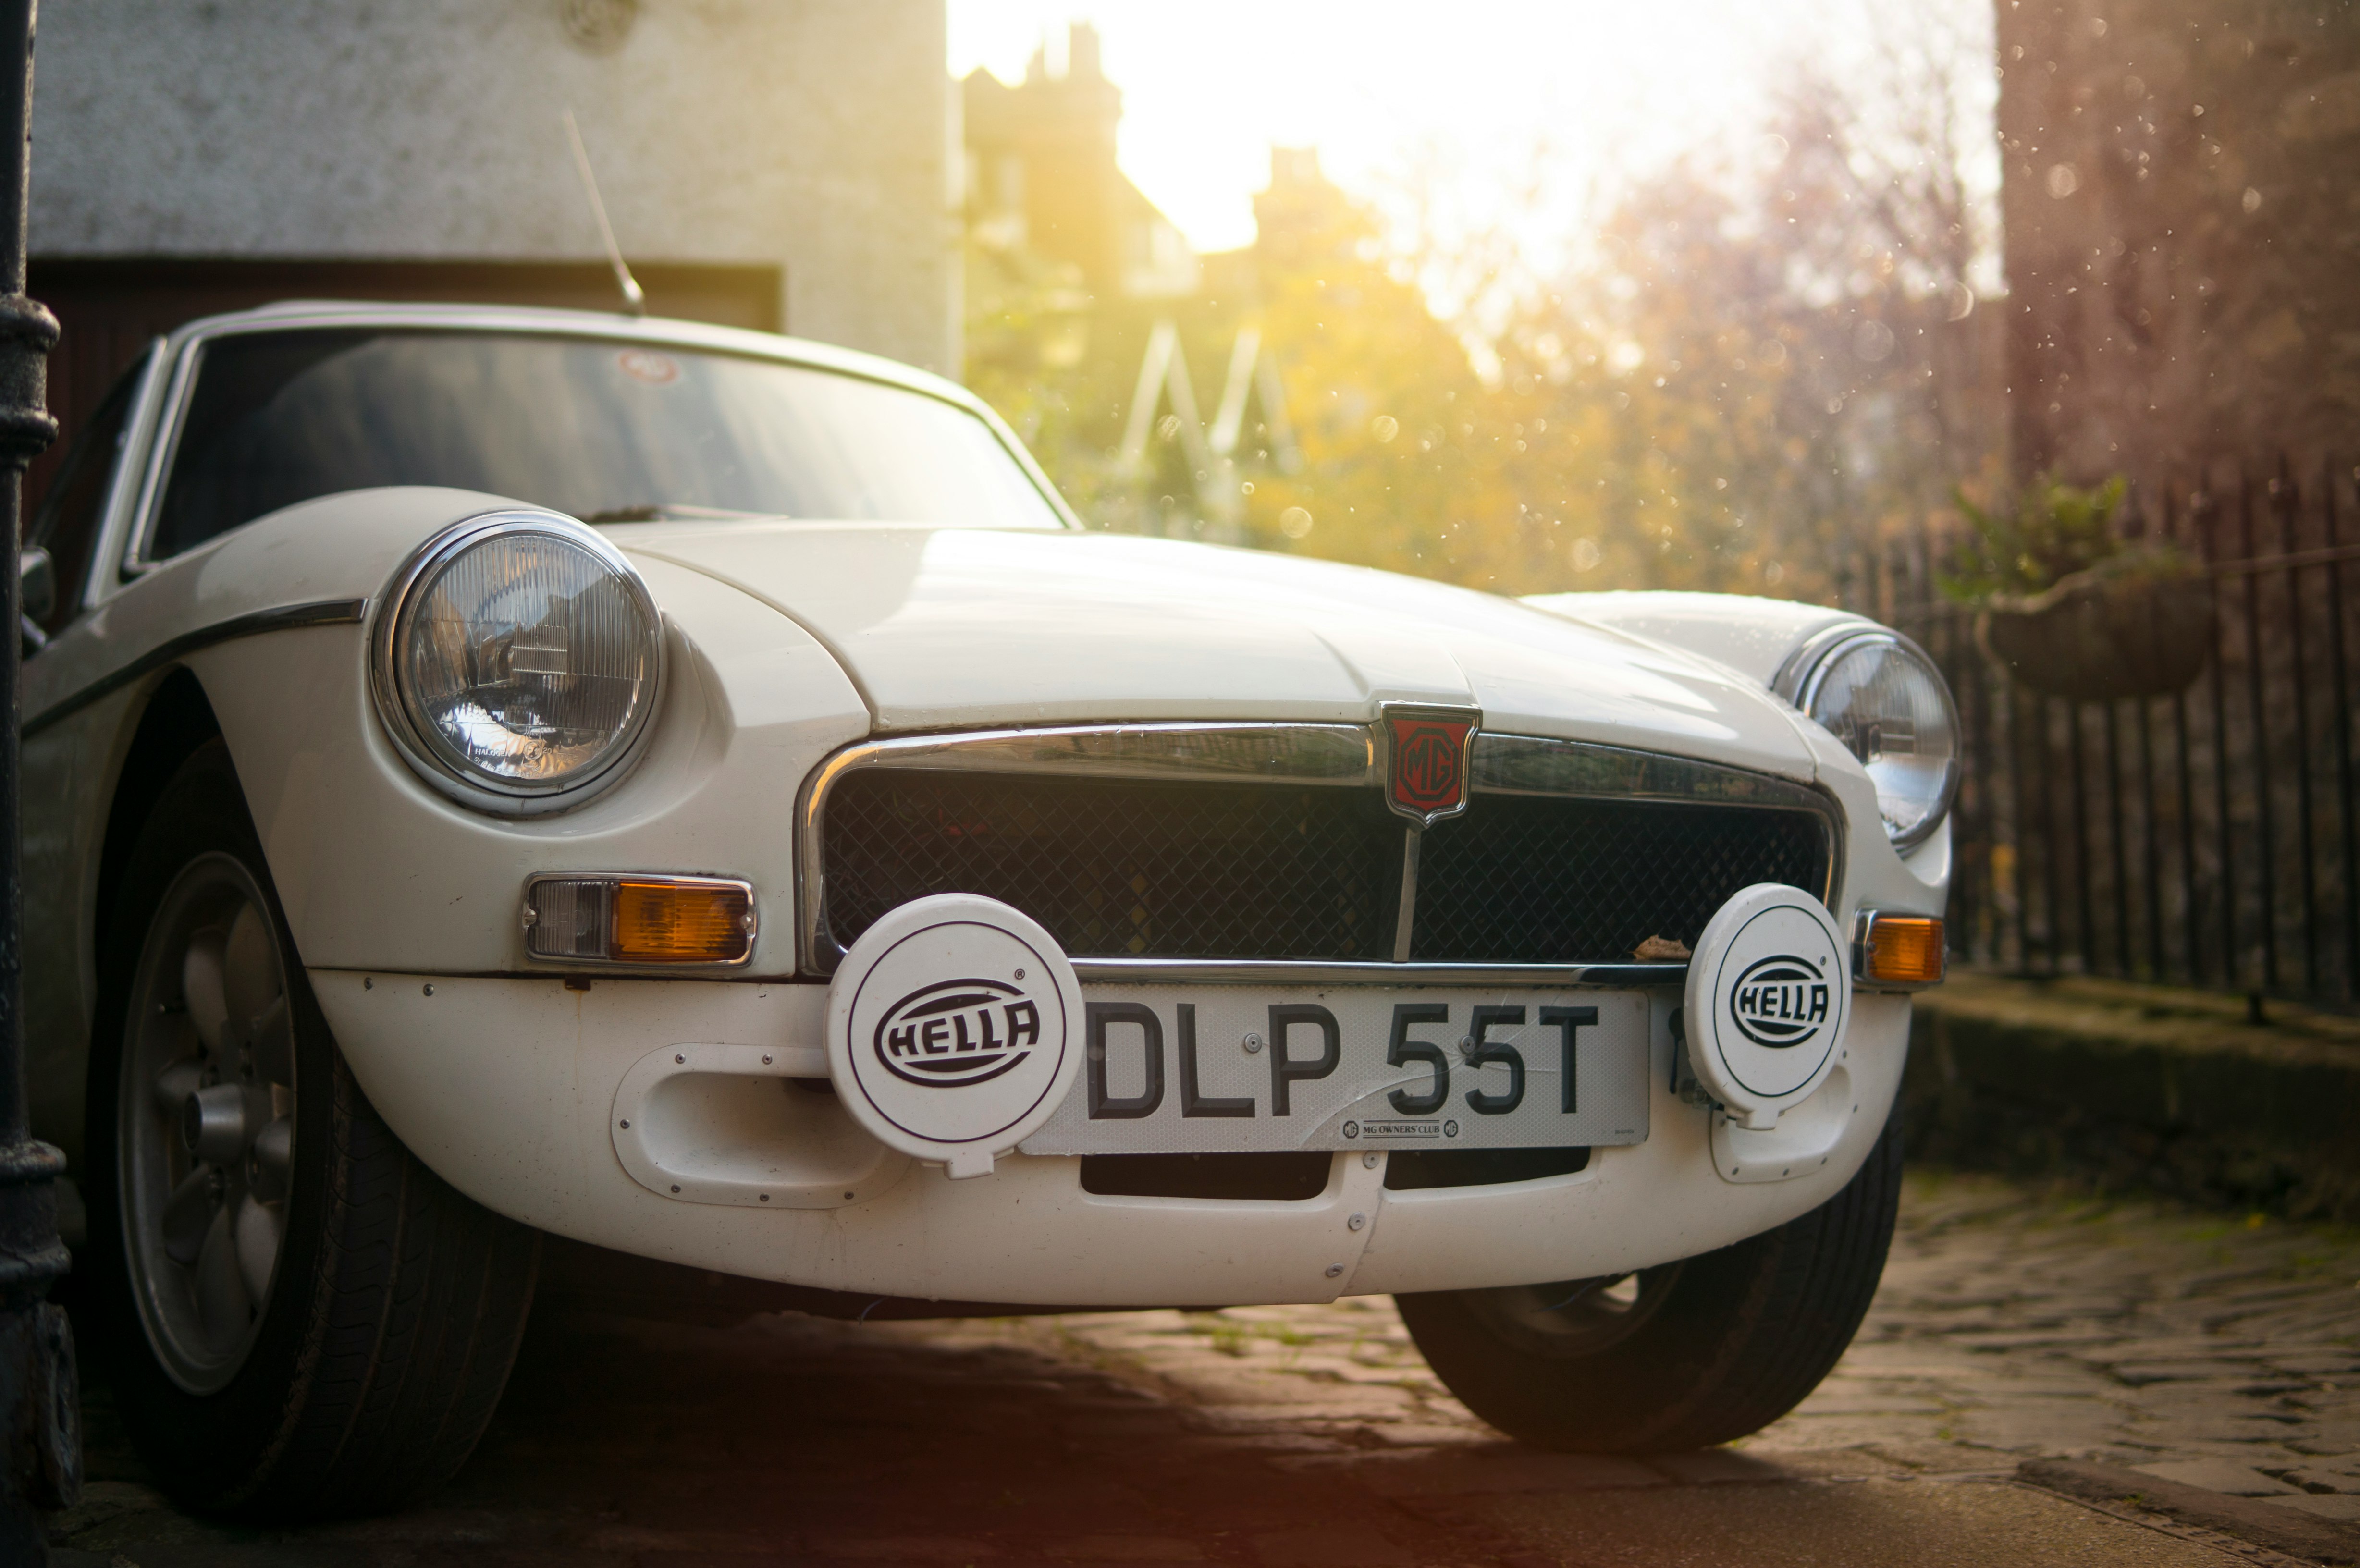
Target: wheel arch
pixel 176 720
pixel 169 720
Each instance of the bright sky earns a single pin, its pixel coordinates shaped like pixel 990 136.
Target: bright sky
pixel 1208 86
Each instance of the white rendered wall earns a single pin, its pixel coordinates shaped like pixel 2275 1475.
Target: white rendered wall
pixel 813 135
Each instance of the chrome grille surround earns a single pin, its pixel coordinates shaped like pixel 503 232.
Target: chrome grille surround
pixel 1298 755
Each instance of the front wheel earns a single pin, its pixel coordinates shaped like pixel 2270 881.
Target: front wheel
pixel 1691 1354
pixel 308 1321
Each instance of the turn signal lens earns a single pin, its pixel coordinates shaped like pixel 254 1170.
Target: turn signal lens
pixel 1901 950
pixel 675 922
pixel 640 920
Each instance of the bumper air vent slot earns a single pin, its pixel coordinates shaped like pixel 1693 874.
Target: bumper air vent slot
pixel 1282 1178
pixel 1411 1168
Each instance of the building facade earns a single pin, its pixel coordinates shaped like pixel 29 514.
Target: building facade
pixel 780 163
pixel 1041 177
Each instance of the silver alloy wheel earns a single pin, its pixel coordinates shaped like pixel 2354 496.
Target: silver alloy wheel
pixel 1575 1317
pixel 205 1121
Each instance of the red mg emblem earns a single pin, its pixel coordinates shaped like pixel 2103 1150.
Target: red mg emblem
pixel 1425 767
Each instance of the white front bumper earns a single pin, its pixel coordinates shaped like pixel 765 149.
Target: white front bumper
pixel 507 1088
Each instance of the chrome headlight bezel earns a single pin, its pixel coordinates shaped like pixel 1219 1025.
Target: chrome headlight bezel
pixel 1804 676
pixel 406 726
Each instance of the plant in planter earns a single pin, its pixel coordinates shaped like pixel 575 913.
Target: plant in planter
pixel 2072 608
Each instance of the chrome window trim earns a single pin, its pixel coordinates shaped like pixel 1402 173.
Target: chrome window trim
pixel 1297 754
pixel 186 349
pixel 125 476
pixel 163 441
pixel 402 726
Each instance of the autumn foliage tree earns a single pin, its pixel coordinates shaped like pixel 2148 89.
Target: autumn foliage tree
pixel 1765 363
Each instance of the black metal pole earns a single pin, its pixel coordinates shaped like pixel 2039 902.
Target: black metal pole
pixel 37 1398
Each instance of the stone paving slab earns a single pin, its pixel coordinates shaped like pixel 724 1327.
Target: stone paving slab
pixel 1475 1470
pixel 2218 1476
pixel 2255 1522
pixel 1959 1526
pixel 1304 1436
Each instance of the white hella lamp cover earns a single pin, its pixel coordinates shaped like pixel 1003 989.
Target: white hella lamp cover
pixel 1768 996
pixel 953 1029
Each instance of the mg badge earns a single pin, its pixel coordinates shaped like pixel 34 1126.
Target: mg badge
pixel 1426 754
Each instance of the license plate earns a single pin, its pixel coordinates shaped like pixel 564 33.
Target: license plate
pixel 1215 1069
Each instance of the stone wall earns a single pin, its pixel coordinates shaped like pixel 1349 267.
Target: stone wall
pixel 814 135
pixel 2120 1086
pixel 2181 202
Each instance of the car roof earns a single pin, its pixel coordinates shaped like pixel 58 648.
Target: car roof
pixel 543 320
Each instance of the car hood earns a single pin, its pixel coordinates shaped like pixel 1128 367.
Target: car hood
pixel 954 627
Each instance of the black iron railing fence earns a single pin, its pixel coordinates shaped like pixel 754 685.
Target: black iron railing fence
pixel 2200 837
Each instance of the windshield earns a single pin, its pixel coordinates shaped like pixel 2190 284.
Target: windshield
pixel 601 430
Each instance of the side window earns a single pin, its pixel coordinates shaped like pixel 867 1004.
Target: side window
pixel 67 522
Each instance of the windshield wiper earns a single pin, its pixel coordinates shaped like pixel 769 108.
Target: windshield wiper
pixel 670 512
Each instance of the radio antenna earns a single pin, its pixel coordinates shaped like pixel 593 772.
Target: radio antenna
pixel 634 297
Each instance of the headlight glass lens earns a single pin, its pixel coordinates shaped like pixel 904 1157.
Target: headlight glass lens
pixel 1890 708
pixel 527 660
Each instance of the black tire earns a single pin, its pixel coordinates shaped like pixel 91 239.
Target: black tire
pixel 388 1324
pixel 1698 1351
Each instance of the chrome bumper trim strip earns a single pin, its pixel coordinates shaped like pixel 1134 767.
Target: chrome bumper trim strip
pixel 325 613
pixel 1312 971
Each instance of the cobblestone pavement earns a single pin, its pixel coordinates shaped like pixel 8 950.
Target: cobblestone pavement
pixel 2221 1353
pixel 2214 1352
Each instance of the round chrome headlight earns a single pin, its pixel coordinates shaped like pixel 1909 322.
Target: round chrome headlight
pixel 1882 697
pixel 518 659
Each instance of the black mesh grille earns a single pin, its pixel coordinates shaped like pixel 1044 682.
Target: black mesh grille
pixel 1116 869
pixel 1525 880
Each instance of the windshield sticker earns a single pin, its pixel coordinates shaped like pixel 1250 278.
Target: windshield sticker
pixel 646 365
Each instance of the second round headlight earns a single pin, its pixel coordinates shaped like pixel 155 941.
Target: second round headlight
pixel 520 657
pixel 1890 707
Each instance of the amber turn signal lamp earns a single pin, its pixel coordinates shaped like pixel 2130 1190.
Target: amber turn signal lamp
pixel 1900 950
pixel 625 919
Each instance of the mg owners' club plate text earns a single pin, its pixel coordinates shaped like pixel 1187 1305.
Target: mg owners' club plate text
pixel 1215 1069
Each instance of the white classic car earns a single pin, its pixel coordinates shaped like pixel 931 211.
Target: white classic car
pixel 494 774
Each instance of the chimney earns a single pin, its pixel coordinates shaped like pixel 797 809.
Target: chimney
pixel 1082 53
pixel 1291 168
